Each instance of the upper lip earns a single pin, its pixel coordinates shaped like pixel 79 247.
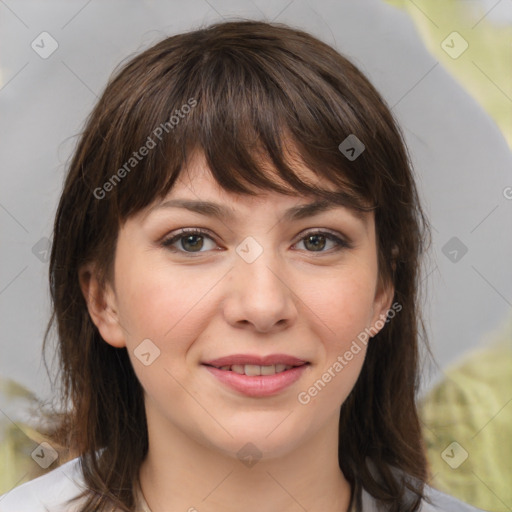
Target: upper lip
pixel 267 360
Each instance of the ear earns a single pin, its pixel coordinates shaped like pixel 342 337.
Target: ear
pixel 102 307
pixel 382 303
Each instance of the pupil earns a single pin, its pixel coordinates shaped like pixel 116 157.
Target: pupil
pixel 190 240
pixel 314 240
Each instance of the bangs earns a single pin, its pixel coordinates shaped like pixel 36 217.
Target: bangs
pixel 254 121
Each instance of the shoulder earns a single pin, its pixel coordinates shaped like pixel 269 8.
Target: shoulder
pixel 441 502
pixel 47 493
pixel 435 501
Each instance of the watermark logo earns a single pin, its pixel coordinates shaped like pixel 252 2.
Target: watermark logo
pixel 41 249
pixel 146 352
pixel 44 45
pixel 454 455
pixel 45 455
pixel 249 249
pixel 351 147
pixel 454 249
pixel 249 455
pixel 454 45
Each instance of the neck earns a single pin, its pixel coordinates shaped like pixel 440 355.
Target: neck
pixel 182 474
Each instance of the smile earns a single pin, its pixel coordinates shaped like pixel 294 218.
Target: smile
pixel 253 370
pixel 255 380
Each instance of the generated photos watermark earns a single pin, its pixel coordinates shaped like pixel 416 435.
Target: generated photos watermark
pixel 143 151
pixel 304 397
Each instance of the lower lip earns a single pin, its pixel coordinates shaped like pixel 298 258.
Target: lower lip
pixel 258 386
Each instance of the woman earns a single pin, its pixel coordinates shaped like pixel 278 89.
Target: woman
pixel 234 275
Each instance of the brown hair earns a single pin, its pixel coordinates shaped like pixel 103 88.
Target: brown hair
pixel 251 88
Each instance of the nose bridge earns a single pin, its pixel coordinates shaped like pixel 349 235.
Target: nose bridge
pixel 261 276
pixel 258 294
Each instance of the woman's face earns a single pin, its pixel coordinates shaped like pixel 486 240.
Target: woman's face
pixel 256 286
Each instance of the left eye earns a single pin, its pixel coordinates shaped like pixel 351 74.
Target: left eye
pixel 193 240
pixel 318 241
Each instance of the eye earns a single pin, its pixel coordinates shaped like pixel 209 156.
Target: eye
pixel 316 241
pixel 189 241
pixel 192 240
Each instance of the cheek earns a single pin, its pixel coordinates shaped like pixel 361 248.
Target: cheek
pixel 160 303
pixel 343 310
pixel 343 307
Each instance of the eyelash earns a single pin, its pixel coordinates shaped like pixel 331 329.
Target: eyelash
pixel 168 242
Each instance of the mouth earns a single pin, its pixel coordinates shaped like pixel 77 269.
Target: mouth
pixel 254 370
pixel 257 376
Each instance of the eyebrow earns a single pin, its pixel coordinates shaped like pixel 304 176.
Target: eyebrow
pixel 294 213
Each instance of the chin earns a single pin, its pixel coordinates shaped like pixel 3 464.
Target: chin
pixel 265 440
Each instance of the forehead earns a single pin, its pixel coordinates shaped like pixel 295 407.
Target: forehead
pixel 197 190
pixel 197 180
pixel 197 173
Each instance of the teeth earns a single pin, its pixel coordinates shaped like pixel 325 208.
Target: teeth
pixel 267 370
pixel 253 370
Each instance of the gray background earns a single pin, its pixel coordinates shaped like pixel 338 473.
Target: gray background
pixel 461 159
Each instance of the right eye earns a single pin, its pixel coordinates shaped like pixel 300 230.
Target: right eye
pixel 188 241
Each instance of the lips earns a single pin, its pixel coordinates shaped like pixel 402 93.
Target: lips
pixel 247 359
pixel 257 376
pixel 254 369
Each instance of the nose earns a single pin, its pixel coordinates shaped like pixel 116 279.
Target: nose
pixel 260 296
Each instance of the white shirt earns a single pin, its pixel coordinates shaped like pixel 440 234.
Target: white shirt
pixel 49 493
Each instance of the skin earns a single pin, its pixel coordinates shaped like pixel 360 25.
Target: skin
pixel 291 299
